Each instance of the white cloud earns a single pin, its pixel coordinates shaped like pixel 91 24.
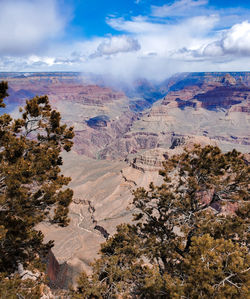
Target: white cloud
pixel 147 52
pixel 189 39
pixel 26 25
pixel 140 25
pixel 33 59
pixel 178 8
pixel 135 25
pixel 164 38
pixel 235 41
pixel 116 44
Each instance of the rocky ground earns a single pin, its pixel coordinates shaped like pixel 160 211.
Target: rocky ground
pixel 102 200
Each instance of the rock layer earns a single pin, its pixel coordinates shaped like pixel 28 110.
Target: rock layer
pixel 202 108
pixel 218 109
pixel 209 104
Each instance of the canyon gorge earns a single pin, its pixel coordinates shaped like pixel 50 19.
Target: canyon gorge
pixel 122 137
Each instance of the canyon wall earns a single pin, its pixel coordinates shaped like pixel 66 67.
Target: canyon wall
pixel 121 141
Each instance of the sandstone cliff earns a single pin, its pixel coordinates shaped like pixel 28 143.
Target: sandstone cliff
pixel 108 125
pixel 218 109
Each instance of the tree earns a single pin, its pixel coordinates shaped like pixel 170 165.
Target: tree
pixel 32 188
pixel 190 237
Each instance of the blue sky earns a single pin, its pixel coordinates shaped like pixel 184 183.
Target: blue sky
pixel 126 39
pixel 90 16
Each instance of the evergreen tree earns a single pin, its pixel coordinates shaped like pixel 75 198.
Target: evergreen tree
pixel 32 188
pixel 184 243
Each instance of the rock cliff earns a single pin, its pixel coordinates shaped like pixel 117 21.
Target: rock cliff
pixel 108 125
pixel 99 115
pixel 218 109
pixel 102 200
pixel 206 108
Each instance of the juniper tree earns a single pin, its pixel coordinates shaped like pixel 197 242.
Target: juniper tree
pixel 32 188
pixel 184 243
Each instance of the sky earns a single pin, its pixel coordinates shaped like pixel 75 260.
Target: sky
pixel 125 39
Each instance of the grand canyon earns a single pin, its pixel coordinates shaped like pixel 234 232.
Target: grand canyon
pixel 122 137
pixel 124 149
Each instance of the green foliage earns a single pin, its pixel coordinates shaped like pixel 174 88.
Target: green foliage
pixel 32 188
pixel 3 93
pixel 190 234
pixel 15 288
pixel 116 271
pixel 218 268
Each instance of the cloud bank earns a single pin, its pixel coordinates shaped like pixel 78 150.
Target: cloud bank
pixel 26 25
pixel 116 44
pixel 235 41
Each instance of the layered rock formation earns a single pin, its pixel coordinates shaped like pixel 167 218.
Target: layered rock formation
pixel 108 127
pixel 102 200
pixel 218 109
pixel 99 115
pixel 204 108
pixel 183 80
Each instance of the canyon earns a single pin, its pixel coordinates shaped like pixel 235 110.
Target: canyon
pixel 122 137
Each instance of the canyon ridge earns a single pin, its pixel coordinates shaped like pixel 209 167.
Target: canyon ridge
pixel 122 137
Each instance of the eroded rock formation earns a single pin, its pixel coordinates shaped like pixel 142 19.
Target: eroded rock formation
pixel 199 108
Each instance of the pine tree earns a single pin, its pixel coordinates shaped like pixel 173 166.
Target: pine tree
pixel 32 188
pixel 184 243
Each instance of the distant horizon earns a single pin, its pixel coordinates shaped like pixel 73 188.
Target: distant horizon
pixel 88 73
pixel 78 72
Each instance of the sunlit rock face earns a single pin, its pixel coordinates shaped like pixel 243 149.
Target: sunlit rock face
pixel 99 114
pixel 102 200
pixel 110 125
pixel 217 106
